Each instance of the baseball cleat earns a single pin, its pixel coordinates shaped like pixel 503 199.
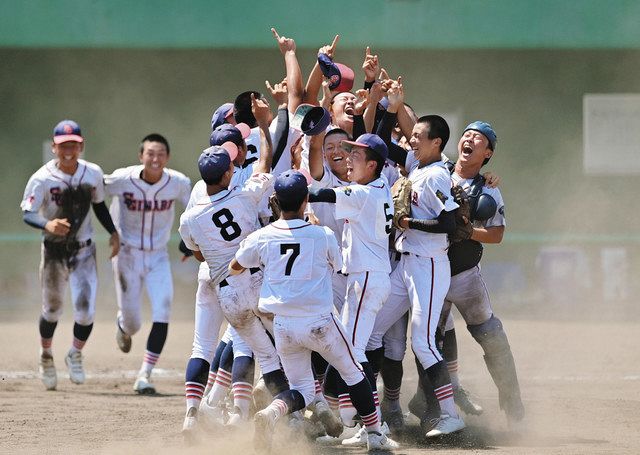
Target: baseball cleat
pixel 190 427
pixel 378 441
pixel 74 363
pixel 347 432
pixel 123 340
pixel 393 417
pixel 261 395
pixel 360 439
pixel 446 425
pixel 48 372
pixel 213 417
pixel 418 405
pixel 464 402
pixel 332 425
pixel 265 424
pixel 236 421
pixel 143 385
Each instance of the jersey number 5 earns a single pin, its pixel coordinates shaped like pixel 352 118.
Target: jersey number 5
pixel 295 252
pixel 229 229
pixel 389 217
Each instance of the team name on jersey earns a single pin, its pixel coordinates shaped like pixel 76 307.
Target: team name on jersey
pixel 143 205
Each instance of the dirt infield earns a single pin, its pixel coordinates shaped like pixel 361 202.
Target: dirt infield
pixel 580 384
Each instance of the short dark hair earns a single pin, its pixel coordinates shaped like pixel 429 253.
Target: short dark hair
pixel 291 205
pixel 154 137
pixel 370 155
pixel 438 128
pixel 336 131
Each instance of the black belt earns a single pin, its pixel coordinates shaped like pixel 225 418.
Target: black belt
pixel 66 246
pixel 253 270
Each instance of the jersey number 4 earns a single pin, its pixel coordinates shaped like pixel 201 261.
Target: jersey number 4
pixel 295 252
pixel 229 229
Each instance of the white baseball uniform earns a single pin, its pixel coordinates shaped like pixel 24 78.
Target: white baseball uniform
pixel 298 260
pixel 70 258
pixel 143 213
pixel 367 211
pixel 208 315
pixel 215 226
pixel 421 279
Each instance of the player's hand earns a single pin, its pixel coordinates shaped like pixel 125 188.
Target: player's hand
pixel 362 101
pixel 330 50
pixel 491 180
pixel 371 65
pixel 58 226
pixel 395 94
pixel 325 102
pixel 376 93
pixel 261 111
pixel 404 222
pixel 114 244
pixel 312 218
pixel 285 44
pixel 279 92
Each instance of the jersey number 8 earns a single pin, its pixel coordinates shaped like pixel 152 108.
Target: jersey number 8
pixel 229 229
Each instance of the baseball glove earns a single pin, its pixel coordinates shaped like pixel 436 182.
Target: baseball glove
pixel 274 206
pixel 401 193
pixel 464 228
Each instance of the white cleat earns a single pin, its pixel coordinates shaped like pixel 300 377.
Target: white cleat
pixel 48 372
pixel 378 441
pixel 236 421
pixel 360 439
pixel 347 432
pixel 261 395
pixel 143 384
pixel 446 425
pixel 190 427
pixel 74 363
pixel 265 424
pixel 213 417
pixel 123 340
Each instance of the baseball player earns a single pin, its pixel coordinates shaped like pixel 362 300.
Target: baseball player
pixel 421 279
pixel 367 209
pixel 468 291
pixel 143 206
pixel 298 259
pixel 213 229
pixel 57 201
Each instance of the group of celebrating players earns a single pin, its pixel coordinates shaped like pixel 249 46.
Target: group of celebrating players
pixel 321 233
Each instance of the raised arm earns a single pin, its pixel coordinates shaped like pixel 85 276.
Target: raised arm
pixel 316 160
pixel 315 77
pixel 287 47
pixel 262 113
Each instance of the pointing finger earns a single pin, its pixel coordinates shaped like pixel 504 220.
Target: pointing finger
pixel 367 52
pixel 335 42
pixel 268 86
pixel 275 34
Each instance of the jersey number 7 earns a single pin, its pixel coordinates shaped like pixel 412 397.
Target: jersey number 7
pixel 295 252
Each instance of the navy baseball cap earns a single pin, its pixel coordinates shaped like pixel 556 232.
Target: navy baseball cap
pixel 221 114
pixel 340 76
pixel 67 131
pixel 230 133
pixel 311 120
pixel 215 161
pixel 291 185
pixel 486 129
pixel 370 141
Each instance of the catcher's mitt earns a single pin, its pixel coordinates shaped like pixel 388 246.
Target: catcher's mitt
pixel 401 192
pixel 464 227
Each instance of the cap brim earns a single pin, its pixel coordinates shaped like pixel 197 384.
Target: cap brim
pixel 298 116
pixel 231 148
pixel 349 144
pixel 245 130
pixel 67 138
pixel 229 113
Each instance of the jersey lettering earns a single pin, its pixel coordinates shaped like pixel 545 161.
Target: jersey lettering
pixel 229 229
pixel 389 217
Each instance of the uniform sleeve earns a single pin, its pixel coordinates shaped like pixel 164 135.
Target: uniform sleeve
pixel 98 193
pixel 349 201
pixel 185 233
pixel 257 185
pixel 248 255
pixel 438 193
pixel 185 191
pixel 334 254
pixel 198 191
pixel 499 218
pixel 33 197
